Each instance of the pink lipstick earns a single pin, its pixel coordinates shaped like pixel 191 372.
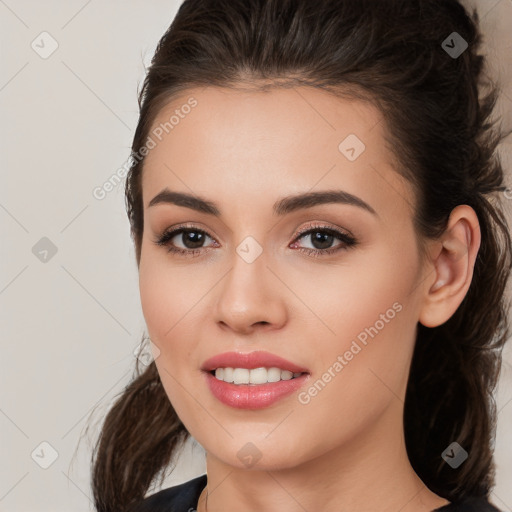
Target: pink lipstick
pixel 253 380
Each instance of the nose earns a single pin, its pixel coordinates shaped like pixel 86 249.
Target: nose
pixel 251 297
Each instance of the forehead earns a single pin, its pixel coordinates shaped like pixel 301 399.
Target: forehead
pixel 247 143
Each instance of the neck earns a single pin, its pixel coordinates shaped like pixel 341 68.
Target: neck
pixel 367 473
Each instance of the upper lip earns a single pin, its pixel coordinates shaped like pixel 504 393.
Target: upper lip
pixel 250 360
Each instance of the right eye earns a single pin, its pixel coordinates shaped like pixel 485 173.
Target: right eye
pixel 192 239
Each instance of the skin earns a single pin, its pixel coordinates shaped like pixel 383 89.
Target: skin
pixel 244 150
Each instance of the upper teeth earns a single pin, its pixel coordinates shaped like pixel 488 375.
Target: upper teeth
pixel 254 376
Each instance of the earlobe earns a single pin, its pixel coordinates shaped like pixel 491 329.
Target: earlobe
pixel 451 267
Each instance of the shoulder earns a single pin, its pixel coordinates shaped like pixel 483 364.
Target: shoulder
pixel 179 498
pixel 469 504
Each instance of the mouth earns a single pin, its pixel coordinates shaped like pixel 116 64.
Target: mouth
pixel 253 388
pixel 254 376
pixel 253 380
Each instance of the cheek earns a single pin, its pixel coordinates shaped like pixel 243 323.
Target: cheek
pixel 155 294
pixel 370 318
pixel 167 293
pixel 347 299
pixel 360 371
pixel 166 301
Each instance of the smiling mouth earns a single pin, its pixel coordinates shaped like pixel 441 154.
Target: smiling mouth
pixel 262 375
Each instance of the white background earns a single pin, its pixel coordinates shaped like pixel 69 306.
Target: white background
pixel 69 326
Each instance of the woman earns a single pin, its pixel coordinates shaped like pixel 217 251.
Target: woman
pixel 322 254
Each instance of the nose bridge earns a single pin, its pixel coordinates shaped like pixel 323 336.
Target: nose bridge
pixel 247 294
pixel 247 278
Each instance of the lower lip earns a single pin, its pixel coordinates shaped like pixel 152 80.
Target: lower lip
pixel 252 396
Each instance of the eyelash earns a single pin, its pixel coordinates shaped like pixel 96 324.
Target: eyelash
pixel 347 240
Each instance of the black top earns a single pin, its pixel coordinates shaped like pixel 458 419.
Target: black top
pixel 184 498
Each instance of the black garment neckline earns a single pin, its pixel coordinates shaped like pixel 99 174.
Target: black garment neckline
pixel 184 498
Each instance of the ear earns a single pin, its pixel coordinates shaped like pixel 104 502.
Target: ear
pixel 450 270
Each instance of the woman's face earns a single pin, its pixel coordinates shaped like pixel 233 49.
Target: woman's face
pixel 343 310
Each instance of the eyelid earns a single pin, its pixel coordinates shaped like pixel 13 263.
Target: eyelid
pixel 323 227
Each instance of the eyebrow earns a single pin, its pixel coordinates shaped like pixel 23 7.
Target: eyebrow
pixel 281 207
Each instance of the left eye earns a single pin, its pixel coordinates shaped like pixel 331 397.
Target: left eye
pixel 193 240
pixel 322 239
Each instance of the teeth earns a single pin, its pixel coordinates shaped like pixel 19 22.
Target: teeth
pixel 254 376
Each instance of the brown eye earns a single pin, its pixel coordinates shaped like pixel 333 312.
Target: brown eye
pixel 192 240
pixel 322 238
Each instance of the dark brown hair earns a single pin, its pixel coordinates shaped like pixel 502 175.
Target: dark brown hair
pixel 437 110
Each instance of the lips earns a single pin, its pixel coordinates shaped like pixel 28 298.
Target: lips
pixel 250 360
